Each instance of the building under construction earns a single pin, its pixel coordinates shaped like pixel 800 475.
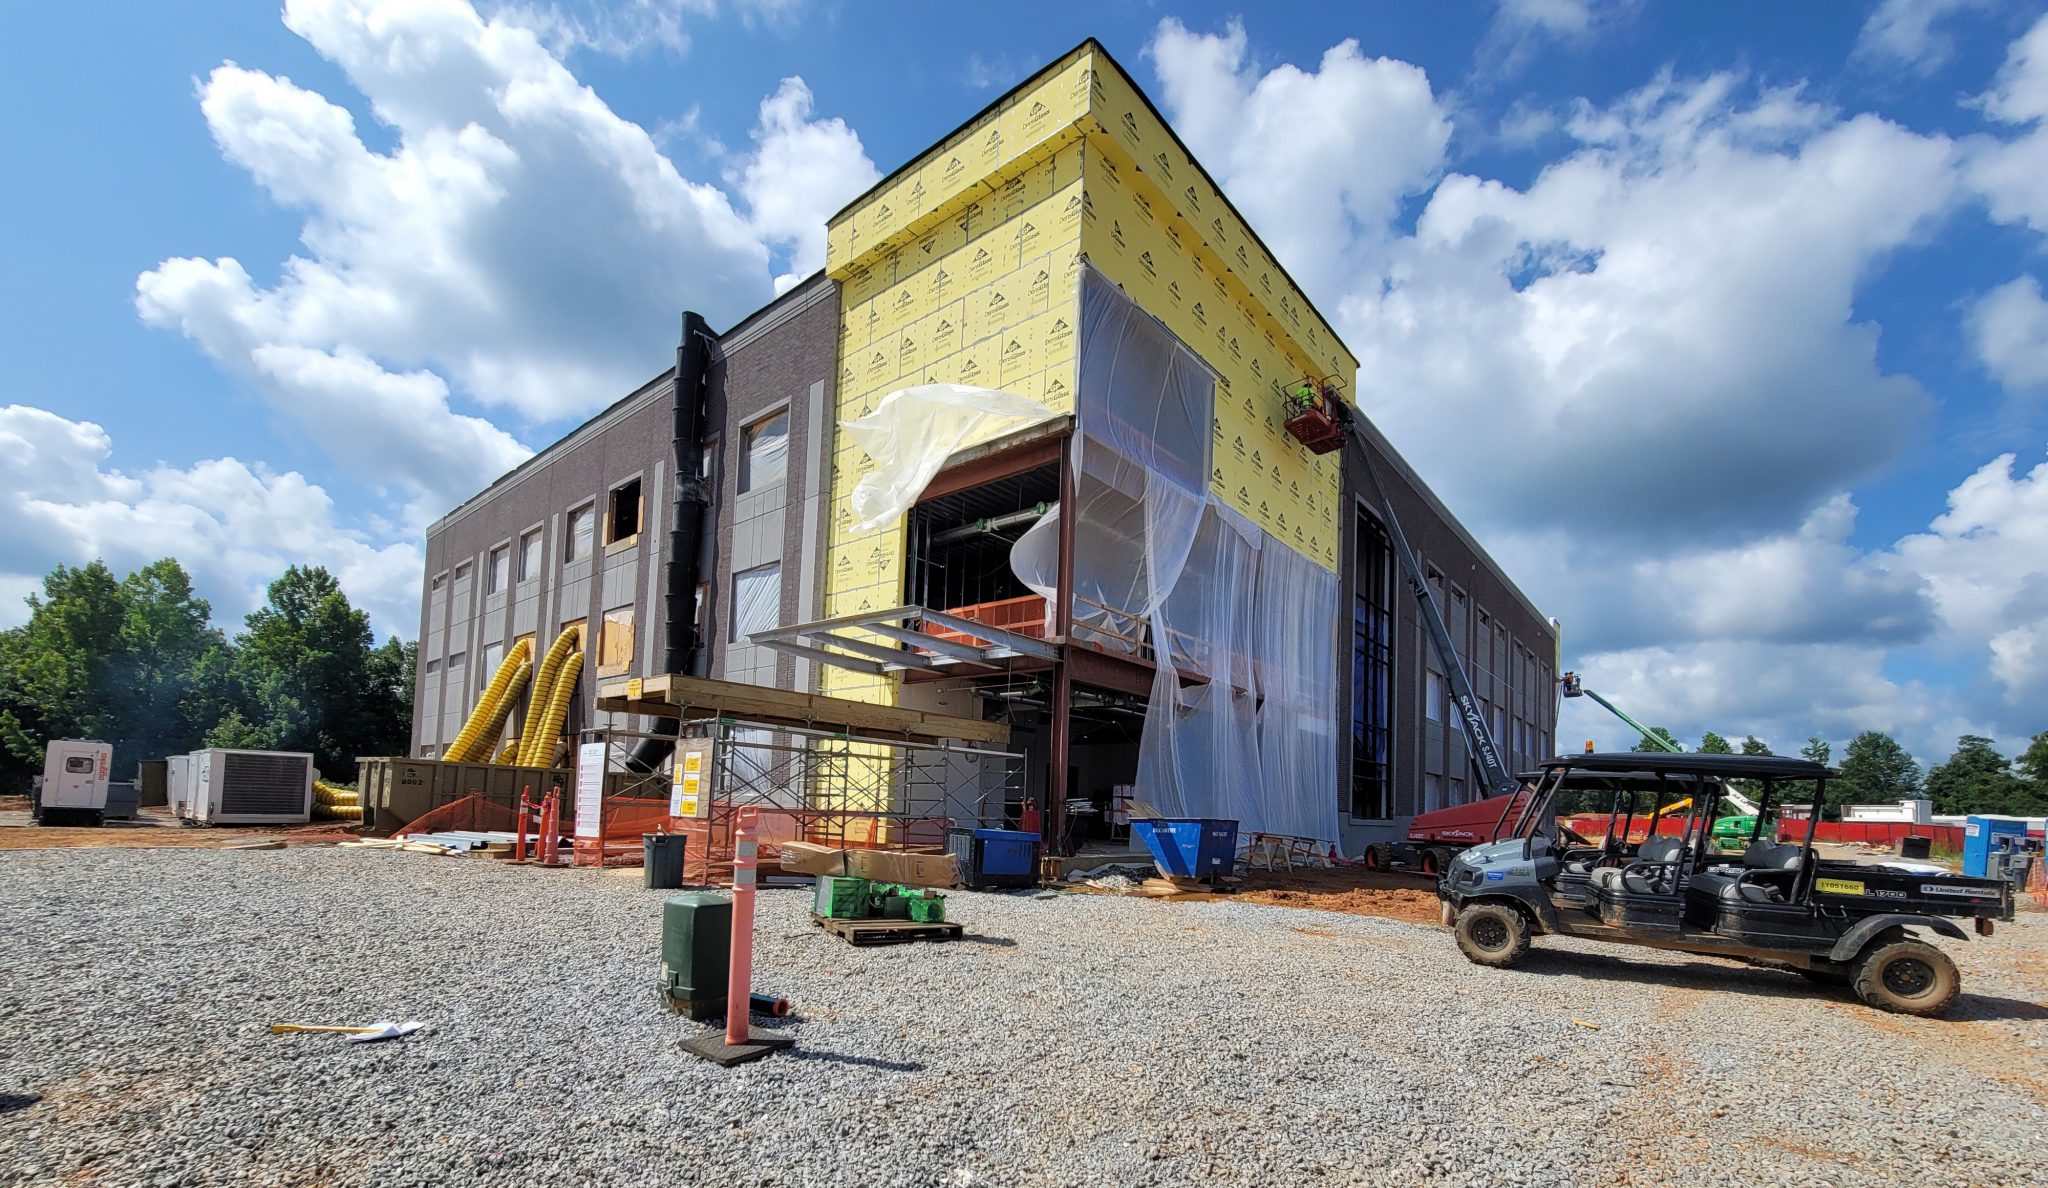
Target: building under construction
pixel 1015 457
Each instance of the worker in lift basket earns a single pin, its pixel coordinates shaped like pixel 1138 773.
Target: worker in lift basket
pixel 1308 395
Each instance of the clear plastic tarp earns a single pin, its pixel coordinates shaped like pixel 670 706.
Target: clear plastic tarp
pixel 1242 721
pixel 913 431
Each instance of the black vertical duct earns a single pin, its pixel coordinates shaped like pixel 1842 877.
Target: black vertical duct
pixel 686 524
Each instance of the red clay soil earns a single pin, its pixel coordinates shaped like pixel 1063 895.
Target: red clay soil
pixel 1349 889
pixel 156 828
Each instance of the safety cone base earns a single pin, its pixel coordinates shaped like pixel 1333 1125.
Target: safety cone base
pixel 712 1046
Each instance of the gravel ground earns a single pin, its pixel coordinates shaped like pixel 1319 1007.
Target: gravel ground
pixel 1078 1040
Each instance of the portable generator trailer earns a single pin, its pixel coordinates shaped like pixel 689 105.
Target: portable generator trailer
pixel 73 787
pixel 1780 904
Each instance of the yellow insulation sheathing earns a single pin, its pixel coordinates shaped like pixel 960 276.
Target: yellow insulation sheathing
pixel 538 746
pixel 473 738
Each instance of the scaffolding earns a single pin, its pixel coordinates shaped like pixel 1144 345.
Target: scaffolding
pixel 804 784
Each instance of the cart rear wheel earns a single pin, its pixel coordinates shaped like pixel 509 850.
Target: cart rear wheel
pixel 1909 977
pixel 1492 934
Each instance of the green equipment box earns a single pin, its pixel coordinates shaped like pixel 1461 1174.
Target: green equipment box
pixel 841 897
pixel 696 944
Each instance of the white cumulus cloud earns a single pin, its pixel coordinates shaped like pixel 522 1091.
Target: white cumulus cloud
pixel 234 526
pixel 1907 33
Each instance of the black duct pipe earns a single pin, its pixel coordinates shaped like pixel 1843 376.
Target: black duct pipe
pixel 686 526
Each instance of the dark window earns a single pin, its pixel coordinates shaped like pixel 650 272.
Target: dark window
pixel 622 521
pixel 1372 675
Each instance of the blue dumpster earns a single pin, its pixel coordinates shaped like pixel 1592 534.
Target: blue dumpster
pixel 1189 847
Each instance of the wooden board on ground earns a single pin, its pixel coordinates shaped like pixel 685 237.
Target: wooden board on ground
pixel 888 932
pixel 673 696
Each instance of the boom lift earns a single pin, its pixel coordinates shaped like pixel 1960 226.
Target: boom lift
pixel 1729 831
pixel 1319 418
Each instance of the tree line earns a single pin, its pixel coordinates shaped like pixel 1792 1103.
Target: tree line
pixel 1875 769
pixel 137 662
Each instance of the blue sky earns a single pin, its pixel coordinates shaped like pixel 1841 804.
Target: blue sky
pixel 1702 316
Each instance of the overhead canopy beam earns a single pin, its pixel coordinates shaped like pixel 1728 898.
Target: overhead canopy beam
pixel 836 641
pixel 678 696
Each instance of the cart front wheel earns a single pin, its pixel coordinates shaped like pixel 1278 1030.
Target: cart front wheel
pixel 1492 934
pixel 1908 977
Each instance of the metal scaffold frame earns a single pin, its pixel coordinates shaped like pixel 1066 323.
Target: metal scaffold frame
pixel 830 787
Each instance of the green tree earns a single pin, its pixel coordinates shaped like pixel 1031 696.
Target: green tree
pixel 1875 770
pixel 1977 779
pixel 1754 789
pixel 1714 744
pixel 59 670
pixel 1646 743
pixel 2033 763
pixel 313 680
pixel 1795 792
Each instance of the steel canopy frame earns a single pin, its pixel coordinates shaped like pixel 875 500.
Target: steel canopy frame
pixel 921 650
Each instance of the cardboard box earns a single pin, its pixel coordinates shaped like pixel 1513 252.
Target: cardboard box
pixel 880 866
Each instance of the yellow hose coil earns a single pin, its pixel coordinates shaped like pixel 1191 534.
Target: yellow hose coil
pixel 544 679
pixel 334 795
pixel 338 812
pixel 472 737
pixel 538 747
pixel 487 738
pixel 507 753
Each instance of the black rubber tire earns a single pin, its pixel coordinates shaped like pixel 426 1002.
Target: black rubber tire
pixel 1375 858
pixel 1492 934
pixel 1908 977
pixel 1433 862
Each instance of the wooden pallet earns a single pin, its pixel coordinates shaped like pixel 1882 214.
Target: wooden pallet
pixel 887 932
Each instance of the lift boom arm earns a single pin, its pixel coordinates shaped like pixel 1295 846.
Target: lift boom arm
pixel 1573 688
pixel 1492 774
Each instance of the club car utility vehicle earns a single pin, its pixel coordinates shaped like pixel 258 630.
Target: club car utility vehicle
pixel 1835 921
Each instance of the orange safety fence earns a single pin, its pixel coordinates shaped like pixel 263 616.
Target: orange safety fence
pixel 625 820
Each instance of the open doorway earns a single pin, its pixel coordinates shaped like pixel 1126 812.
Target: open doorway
pixel 959 551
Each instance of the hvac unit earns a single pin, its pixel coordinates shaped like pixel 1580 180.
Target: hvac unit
pixel 177 783
pixel 249 788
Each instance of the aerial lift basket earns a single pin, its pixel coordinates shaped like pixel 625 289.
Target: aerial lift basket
pixel 1311 419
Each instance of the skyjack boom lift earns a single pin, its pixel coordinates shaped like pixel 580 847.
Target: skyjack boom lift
pixel 1319 418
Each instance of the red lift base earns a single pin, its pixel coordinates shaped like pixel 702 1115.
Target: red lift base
pixel 1313 428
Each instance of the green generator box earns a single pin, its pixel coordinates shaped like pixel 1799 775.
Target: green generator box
pixel 696 945
pixel 928 908
pixel 841 897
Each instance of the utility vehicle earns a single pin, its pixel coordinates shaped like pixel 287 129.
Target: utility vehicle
pixel 1776 903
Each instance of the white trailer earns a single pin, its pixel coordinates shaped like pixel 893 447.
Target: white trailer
pixel 74 784
pixel 248 787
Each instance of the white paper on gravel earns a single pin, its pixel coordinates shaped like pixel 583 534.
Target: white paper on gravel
pixel 913 431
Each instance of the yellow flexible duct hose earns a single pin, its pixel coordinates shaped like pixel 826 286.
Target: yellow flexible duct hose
pixel 538 746
pixel 544 679
pixel 472 737
pixel 334 795
pixel 487 738
pixel 338 812
pixel 507 753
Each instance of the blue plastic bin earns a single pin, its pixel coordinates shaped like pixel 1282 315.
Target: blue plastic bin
pixel 1190 847
pixel 995 857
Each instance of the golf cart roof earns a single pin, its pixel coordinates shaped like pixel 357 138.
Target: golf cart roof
pixel 1655 764
pixel 1599 778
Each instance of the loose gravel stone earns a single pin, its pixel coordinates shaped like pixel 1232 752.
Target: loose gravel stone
pixel 1079 1040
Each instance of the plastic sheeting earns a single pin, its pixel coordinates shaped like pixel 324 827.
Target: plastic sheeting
pixel 913 431
pixel 1242 721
